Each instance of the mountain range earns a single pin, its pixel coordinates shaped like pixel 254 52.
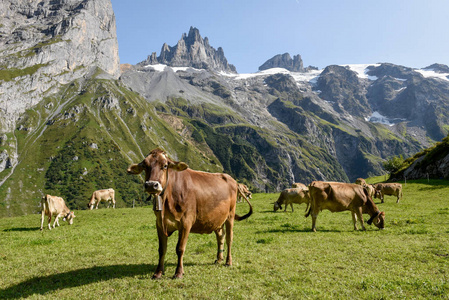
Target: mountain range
pixel 73 118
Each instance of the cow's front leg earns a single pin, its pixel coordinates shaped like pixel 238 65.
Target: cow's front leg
pixel 220 234
pixel 162 250
pixel 354 219
pixel 360 216
pixel 180 249
pixel 42 220
pixel 56 220
pixel 49 222
pixel 291 204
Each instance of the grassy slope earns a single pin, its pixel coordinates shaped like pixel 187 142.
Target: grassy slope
pixel 83 139
pixel 112 254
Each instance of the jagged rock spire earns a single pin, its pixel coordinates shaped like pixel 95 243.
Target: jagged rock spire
pixel 191 51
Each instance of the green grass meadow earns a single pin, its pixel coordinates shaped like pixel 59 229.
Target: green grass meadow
pixel 112 254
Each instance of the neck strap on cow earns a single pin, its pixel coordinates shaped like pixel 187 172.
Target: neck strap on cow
pixel 373 217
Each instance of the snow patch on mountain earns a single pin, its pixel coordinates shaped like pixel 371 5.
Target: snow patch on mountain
pixel 430 73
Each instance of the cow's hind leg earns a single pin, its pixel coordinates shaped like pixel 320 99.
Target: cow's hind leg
pixel 162 250
pixel 220 234
pixel 180 249
pixel 229 238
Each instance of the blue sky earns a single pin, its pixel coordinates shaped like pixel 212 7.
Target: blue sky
pixel 413 33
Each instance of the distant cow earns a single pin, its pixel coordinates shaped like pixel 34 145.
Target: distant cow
pixel 107 195
pixel 337 196
pixel 360 181
pixel 55 206
pixel 191 202
pixel 245 191
pixel 392 189
pixel 298 185
pixel 290 196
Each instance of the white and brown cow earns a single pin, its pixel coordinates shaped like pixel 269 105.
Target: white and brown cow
pixel 392 189
pixel 290 196
pixel 55 206
pixel 107 195
pixel 191 202
pixel 338 196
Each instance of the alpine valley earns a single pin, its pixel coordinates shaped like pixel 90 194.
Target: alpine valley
pixel 72 118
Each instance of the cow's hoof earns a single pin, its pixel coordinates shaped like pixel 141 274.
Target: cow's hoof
pixel 157 276
pixel 218 261
pixel 177 276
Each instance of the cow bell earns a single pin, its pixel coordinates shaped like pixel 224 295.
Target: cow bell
pixel 157 203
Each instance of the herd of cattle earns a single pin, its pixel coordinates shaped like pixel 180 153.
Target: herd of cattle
pixel 191 201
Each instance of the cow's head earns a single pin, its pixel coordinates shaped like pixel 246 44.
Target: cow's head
pixel 69 217
pixel 156 166
pixel 378 220
pixel 377 194
pixel 277 206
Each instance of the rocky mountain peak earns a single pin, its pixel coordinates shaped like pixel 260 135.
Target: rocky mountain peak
pixel 284 61
pixel 191 51
pixel 439 68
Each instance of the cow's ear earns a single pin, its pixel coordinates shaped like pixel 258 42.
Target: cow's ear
pixel 178 166
pixel 135 169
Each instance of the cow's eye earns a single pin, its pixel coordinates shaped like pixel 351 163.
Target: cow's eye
pixel 165 167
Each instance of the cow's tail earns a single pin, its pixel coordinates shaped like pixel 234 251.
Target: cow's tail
pixel 240 218
pixel 308 211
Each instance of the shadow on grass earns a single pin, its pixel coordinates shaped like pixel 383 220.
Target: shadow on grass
pixel 45 284
pixel 22 229
pixel 288 230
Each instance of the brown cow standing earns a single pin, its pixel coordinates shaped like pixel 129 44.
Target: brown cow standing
pixel 392 189
pixel 189 201
pixel 55 206
pixel 107 195
pixel 337 196
pixel 290 196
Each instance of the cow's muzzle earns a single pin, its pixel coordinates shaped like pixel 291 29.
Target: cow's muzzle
pixel 153 187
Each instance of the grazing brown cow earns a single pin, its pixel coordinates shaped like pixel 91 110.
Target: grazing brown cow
pixel 246 191
pixel 298 185
pixel 337 196
pixel 392 189
pixel 55 206
pixel 107 195
pixel 189 201
pixel 290 196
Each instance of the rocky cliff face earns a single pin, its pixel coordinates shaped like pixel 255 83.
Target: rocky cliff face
pixel 191 51
pixel 44 44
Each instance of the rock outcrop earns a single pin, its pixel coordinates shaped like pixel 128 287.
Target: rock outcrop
pixel 284 61
pixel 191 51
